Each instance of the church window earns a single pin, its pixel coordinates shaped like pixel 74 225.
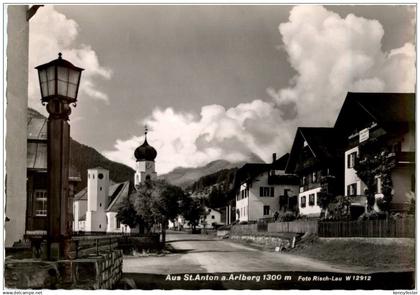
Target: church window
pixel 93 176
pixel 100 188
pixel 100 226
pixel 100 176
pixel 147 177
pixel 100 204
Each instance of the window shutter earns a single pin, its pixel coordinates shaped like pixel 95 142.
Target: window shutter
pixel 272 191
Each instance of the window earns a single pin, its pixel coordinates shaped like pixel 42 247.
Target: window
pixel 352 189
pixel 314 177
pixel 212 217
pixel 266 210
pixel 41 203
pixel 311 199
pixel 93 176
pixel 378 183
pixel 118 223
pixel 266 191
pixel 100 188
pixel 100 176
pixel 304 180
pixel 100 226
pixel 303 201
pixel 100 204
pixel 351 159
pixel 317 200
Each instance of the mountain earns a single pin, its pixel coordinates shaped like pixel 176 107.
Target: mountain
pixel 83 157
pixel 185 177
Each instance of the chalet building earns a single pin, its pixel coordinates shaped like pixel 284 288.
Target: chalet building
pixel 211 220
pixel 315 158
pixel 264 189
pixel 36 184
pixel 388 119
pixel 95 207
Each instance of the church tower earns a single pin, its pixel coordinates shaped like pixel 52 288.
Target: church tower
pixel 97 192
pixel 145 162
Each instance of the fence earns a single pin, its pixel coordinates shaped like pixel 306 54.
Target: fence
pixel 399 228
pixel 309 226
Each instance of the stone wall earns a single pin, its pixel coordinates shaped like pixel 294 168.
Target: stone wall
pixel 271 241
pixel 100 271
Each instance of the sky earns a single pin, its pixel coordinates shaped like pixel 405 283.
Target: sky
pixel 218 81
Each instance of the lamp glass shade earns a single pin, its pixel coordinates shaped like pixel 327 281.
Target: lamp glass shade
pixel 59 78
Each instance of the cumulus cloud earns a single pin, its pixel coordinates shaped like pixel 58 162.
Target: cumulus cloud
pixel 52 32
pixel 331 56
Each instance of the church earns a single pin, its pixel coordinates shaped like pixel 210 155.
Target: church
pixel 95 207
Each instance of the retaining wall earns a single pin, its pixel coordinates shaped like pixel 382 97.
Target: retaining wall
pixel 100 271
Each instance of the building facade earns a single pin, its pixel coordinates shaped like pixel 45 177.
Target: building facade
pixel 315 159
pixel 96 206
pixel 387 121
pixel 264 189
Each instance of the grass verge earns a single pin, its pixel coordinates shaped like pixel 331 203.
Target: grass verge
pixel 370 253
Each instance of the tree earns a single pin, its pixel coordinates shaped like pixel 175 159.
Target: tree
pixel 375 161
pixel 154 202
pixel 325 196
pixel 192 210
pixel 127 214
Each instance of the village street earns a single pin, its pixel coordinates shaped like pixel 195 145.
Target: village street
pixel 201 262
pixel 209 254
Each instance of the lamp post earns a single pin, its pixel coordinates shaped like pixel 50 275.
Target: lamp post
pixel 59 83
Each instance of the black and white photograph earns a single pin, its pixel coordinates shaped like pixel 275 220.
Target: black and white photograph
pixel 225 146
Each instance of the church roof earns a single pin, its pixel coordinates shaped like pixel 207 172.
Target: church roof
pixel 145 152
pixel 117 193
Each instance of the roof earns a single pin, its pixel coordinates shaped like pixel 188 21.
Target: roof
pixel 320 140
pixel 280 163
pixel 36 156
pixel 387 109
pixel 37 128
pixel 82 195
pixel 117 193
pixel 251 170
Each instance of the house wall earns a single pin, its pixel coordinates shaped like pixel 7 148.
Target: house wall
pixel 350 175
pixel 408 143
pixel 79 209
pixel 314 210
pixel 217 217
pixel 253 206
pixel 16 122
pixel 401 180
pixel 242 205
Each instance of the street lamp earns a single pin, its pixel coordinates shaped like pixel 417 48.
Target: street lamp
pixel 59 83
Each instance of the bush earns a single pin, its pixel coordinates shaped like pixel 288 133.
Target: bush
pixel 289 216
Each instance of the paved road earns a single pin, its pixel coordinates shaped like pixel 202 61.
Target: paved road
pixel 199 255
pixel 204 254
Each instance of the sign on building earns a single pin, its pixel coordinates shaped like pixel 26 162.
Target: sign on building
pixel 363 135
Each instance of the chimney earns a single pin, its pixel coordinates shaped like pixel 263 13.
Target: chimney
pixel 274 157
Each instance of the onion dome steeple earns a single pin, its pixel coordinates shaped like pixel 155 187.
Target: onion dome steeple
pixel 145 152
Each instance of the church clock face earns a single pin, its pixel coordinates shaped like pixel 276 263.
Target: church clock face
pixel 148 165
